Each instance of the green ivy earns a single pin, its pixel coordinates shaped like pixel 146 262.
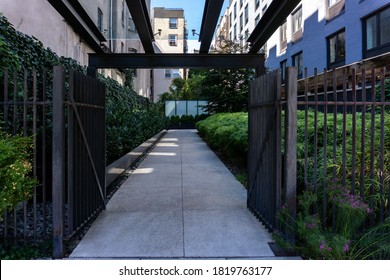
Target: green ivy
pixel 130 118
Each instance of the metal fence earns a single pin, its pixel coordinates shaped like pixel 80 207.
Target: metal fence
pixel 267 190
pixel 65 115
pixel 344 136
pixel 26 109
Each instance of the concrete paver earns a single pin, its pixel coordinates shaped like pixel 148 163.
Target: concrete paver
pixel 181 202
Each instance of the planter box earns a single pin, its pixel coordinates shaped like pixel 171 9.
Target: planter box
pixel 115 169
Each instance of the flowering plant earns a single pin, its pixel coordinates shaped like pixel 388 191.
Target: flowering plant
pixel 350 209
pixel 316 237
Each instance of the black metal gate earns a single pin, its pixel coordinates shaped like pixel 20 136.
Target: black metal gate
pixel 272 167
pixel 79 162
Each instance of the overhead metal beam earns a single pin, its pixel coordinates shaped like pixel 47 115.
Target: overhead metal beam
pixel 212 10
pixel 274 16
pixel 140 15
pixel 73 12
pixel 167 60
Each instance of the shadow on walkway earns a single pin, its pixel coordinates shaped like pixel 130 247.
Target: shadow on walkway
pixel 181 202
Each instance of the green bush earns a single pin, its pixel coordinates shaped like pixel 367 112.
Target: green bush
pixel 16 184
pixel 130 119
pixel 227 132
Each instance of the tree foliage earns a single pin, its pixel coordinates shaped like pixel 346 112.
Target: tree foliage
pixel 226 90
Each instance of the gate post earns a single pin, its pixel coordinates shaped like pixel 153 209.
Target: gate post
pixel 290 167
pixel 58 161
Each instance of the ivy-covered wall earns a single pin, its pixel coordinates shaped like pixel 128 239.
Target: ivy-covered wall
pixel 130 118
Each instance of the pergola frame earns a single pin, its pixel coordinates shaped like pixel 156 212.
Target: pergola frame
pixel 270 22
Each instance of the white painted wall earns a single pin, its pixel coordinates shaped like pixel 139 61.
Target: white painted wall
pixel 39 19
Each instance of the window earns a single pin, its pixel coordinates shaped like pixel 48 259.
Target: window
pixel 235 11
pixel 257 19
pixel 173 39
pixel 297 25
pixel 123 12
pixel 336 49
pixel 246 14
pixel 172 23
pixel 283 36
pixel 231 20
pixel 175 73
pixel 297 20
pixel 100 20
pixel 334 8
pixel 297 61
pixel 241 3
pixel 168 73
pixel 376 33
pixel 264 9
pixel 257 4
pixel 241 22
pixel 283 66
pixel 235 32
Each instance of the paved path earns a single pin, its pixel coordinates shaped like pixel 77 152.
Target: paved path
pixel 181 202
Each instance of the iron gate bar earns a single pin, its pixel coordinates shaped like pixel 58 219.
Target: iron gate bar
pixel 274 16
pixel 212 10
pixel 76 112
pixel 167 60
pixel 58 161
pixel 139 12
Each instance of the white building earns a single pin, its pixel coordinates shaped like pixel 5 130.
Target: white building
pixel 169 25
pixel 78 27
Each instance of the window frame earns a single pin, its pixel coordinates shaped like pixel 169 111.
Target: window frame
pixel 257 20
pixel 283 41
pixel 257 4
pixel 379 48
pixel 175 73
pixel 173 25
pixel 283 67
pixel 297 33
pixel 173 42
pixel 100 20
pixel 300 63
pixel 241 22
pixel 337 62
pixel 246 14
pixel 335 9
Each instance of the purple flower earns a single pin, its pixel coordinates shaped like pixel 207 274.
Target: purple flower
pixel 346 246
pixel 322 246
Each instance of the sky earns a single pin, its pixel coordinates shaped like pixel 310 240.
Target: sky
pixel 193 12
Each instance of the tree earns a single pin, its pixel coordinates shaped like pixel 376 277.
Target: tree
pixel 226 90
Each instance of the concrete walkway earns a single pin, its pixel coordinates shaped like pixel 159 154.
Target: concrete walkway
pixel 181 202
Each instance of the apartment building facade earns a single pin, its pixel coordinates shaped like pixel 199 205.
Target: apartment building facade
pixel 74 28
pixel 239 20
pixel 318 33
pixel 329 34
pixel 170 30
